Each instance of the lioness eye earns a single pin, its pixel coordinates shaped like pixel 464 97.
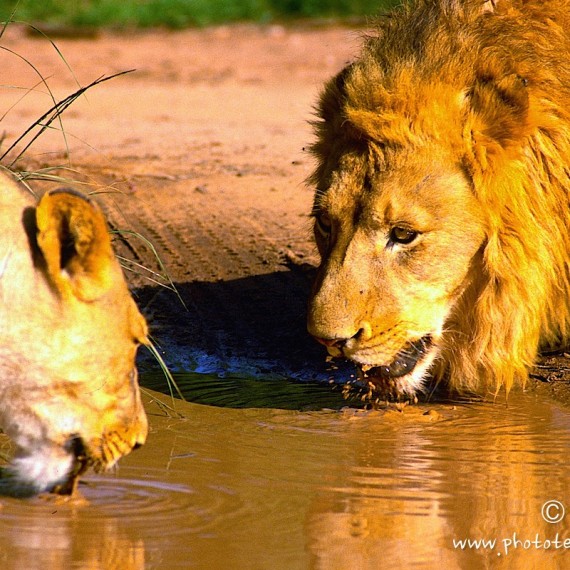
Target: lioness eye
pixel 324 224
pixel 402 235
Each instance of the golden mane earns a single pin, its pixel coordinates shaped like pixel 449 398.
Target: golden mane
pixel 490 81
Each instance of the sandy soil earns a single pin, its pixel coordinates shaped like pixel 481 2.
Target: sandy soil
pixel 201 150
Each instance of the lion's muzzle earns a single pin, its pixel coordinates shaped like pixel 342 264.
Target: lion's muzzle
pixel 404 363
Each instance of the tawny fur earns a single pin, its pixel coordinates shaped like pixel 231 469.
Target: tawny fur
pixel 69 396
pixel 487 83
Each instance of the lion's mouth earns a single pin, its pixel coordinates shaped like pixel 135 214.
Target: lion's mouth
pixel 405 362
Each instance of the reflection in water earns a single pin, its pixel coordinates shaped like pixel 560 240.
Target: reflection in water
pixel 276 475
pixel 483 474
pixel 46 537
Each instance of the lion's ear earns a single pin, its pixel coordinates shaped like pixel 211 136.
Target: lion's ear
pixel 75 243
pixel 489 6
pixel 499 109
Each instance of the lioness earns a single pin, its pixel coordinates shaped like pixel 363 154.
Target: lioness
pixel 69 395
pixel 442 196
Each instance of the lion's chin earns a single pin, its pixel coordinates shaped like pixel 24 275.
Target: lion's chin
pixel 404 376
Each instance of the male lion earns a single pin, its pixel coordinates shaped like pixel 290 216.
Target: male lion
pixel 69 396
pixel 442 187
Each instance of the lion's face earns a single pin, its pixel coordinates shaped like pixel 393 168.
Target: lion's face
pixel 441 202
pixel 397 249
pixel 69 393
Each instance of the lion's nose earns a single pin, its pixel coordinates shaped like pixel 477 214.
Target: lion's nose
pixel 363 333
pixel 334 345
pixel 332 342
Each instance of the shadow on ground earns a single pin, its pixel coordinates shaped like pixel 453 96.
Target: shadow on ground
pixel 243 343
pixel 252 326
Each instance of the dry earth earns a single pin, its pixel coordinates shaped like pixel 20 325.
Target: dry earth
pixel 201 151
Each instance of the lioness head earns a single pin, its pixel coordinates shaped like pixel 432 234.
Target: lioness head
pixel 441 204
pixel 69 395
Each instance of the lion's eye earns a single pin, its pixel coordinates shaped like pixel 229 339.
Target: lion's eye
pixel 323 224
pixel 402 235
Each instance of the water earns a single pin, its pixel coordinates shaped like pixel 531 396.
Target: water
pixel 282 475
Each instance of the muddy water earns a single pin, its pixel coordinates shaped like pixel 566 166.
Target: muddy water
pixel 276 475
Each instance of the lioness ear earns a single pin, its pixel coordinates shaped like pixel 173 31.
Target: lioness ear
pixel 75 243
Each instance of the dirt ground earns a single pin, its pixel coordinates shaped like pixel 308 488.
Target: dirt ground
pixel 201 151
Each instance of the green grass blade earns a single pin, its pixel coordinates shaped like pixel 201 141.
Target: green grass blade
pixel 169 378
pixel 150 245
pixel 53 113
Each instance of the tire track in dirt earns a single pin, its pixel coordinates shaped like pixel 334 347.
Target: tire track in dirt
pixel 245 309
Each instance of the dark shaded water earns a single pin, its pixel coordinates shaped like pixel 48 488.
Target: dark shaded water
pixel 281 475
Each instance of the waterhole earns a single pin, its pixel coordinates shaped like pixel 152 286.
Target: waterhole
pixel 253 474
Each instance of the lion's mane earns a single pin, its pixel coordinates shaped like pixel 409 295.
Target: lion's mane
pixel 509 62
